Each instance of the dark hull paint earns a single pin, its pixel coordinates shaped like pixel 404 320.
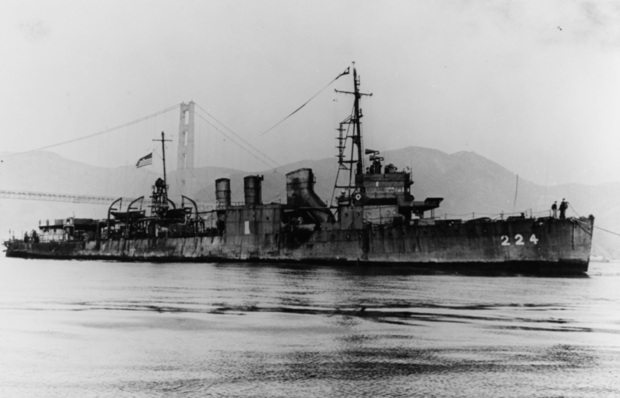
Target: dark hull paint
pixel 561 267
pixel 527 245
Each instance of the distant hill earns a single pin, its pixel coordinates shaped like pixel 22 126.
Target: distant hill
pixel 470 184
pixel 48 172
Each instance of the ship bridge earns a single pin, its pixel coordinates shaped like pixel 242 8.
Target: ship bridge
pixel 385 193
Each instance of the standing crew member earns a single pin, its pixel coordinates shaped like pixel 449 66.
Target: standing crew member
pixel 554 209
pixel 563 207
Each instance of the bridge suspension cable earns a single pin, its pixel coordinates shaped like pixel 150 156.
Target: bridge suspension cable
pixel 237 135
pixel 98 133
pixel 269 163
pixel 241 146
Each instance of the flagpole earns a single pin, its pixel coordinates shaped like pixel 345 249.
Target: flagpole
pixel 163 152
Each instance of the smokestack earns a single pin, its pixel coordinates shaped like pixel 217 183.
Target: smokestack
pixel 300 193
pixel 299 186
pixel 222 192
pixel 252 190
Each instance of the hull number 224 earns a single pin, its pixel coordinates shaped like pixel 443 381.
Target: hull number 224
pixel 518 240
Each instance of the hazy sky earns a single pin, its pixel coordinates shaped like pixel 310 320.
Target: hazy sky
pixel 531 85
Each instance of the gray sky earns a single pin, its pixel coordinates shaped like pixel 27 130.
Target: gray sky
pixel 531 85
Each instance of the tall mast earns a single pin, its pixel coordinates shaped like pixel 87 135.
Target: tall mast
pixel 355 119
pixel 358 126
pixel 356 137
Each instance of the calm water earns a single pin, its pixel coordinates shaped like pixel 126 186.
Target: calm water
pixel 106 329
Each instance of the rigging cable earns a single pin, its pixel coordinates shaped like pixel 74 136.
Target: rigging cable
pixel 602 229
pixel 99 133
pixel 573 209
pixel 514 204
pixel 346 72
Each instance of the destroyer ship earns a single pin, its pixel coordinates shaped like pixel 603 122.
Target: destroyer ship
pixel 373 219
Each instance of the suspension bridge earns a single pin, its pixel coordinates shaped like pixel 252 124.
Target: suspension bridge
pixel 197 137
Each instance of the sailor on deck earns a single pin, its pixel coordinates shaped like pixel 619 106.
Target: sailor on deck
pixel 554 209
pixel 563 207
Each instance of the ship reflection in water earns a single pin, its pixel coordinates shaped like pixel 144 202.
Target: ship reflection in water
pixel 111 329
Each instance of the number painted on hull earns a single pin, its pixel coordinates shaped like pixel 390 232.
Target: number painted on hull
pixel 518 240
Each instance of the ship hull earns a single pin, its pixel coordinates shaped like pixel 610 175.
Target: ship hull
pixel 526 245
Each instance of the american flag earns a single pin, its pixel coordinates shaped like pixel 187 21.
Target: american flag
pixel 145 160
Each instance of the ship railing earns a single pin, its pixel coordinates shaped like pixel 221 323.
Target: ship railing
pixel 528 213
pixel 207 232
pixel 232 204
pixel 45 238
pixel 381 220
pixel 55 238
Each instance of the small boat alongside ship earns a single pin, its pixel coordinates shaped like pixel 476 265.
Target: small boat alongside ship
pixel 375 221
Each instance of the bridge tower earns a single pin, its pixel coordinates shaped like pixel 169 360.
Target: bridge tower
pixel 185 158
